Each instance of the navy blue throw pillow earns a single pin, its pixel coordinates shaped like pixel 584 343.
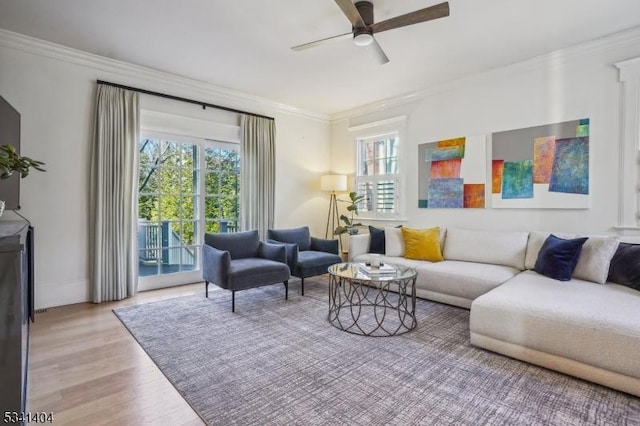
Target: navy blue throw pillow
pixel 625 266
pixel 558 257
pixel 377 242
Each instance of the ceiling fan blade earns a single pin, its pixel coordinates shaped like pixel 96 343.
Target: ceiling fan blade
pixel 382 57
pixel 321 42
pixel 352 14
pixel 434 12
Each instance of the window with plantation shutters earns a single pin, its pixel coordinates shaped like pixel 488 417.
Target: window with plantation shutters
pixel 377 176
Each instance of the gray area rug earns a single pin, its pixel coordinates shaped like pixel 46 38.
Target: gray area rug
pixel 278 362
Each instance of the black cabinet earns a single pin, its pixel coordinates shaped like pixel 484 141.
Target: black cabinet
pixel 16 310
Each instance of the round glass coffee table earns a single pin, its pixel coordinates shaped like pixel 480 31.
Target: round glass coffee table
pixel 372 302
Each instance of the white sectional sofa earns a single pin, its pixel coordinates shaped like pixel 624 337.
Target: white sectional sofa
pixel 585 327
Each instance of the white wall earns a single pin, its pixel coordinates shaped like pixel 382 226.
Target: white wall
pixel 580 82
pixel 53 89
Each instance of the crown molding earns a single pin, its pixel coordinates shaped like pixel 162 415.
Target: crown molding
pixel 222 95
pixel 558 58
pixel 379 123
pixel 629 69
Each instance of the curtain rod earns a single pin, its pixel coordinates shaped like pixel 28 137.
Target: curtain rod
pixel 177 98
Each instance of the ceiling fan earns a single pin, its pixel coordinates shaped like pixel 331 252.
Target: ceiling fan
pixel 360 15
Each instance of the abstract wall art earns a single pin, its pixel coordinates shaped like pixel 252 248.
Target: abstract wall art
pixel 541 167
pixel 452 173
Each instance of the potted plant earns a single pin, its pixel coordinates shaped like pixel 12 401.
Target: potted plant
pixel 349 226
pixel 11 161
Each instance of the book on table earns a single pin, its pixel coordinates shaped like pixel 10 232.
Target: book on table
pixel 384 268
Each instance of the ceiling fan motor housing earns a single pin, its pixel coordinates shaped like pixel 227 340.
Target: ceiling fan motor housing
pixel 365 8
pixel 363 36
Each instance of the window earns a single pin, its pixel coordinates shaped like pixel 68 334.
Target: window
pixel 377 176
pixel 186 187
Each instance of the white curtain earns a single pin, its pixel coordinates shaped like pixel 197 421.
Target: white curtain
pixel 113 205
pixel 257 173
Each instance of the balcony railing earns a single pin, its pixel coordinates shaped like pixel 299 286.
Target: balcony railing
pixel 161 250
pixel 159 245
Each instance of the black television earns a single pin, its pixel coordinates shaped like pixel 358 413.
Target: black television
pixel 10 134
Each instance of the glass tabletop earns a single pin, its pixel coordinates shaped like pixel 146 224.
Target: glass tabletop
pixel 360 271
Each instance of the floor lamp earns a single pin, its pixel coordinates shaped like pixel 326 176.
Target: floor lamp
pixel 333 183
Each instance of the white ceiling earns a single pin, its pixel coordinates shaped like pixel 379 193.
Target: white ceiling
pixel 245 44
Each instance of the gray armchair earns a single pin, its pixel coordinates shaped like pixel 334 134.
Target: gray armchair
pixel 307 256
pixel 238 261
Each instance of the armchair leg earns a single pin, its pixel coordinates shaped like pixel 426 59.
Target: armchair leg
pixel 206 288
pixel 302 285
pixel 286 290
pixel 233 300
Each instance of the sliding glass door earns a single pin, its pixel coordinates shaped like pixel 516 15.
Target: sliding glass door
pixel 186 187
pixel 222 188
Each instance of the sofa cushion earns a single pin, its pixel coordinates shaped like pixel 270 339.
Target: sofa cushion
pixel 593 263
pixel 358 245
pixel 625 266
pixel 558 257
pixel 579 320
pixel 376 241
pixel 450 281
pixel 498 248
pixel 466 280
pixel 422 244
pixel 394 243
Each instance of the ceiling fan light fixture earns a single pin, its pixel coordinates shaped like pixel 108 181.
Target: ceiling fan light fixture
pixel 362 38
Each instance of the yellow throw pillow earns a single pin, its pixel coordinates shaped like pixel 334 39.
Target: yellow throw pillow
pixel 422 244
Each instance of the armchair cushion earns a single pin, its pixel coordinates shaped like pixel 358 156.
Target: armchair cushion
pixel 311 263
pixel 291 252
pixel 300 236
pixel 247 272
pixel 328 246
pixel 275 252
pixel 240 245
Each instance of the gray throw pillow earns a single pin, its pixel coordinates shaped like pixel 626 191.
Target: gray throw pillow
pixel 596 254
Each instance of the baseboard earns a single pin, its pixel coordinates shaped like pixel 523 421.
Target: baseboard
pixel 49 295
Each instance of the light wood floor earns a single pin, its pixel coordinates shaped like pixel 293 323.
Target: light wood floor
pixel 86 369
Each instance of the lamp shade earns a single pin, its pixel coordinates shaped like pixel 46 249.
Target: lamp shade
pixel 333 182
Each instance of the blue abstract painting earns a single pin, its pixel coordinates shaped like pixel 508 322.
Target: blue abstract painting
pixel 570 170
pixel 560 155
pixel 517 179
pixel 446 193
